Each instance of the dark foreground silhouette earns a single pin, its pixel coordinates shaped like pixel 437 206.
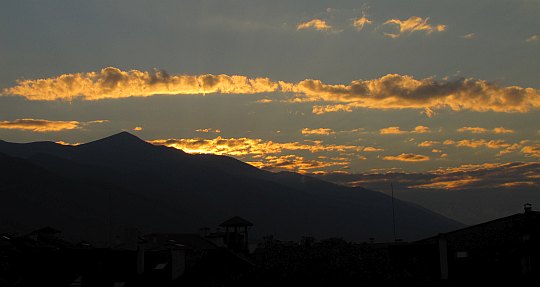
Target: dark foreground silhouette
pixel 504 251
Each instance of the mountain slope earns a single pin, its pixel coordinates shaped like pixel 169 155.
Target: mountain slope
pixel 190 191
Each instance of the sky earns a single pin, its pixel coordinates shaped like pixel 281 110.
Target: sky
pixel 444 88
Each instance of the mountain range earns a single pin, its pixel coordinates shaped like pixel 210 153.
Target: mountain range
pixel 93 190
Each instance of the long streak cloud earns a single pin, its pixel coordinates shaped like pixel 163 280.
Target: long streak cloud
pixel 391 91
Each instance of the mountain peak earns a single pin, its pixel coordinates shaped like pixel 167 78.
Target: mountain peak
pixel 123 138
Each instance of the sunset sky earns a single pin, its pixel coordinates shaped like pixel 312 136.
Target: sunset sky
pixel 310 86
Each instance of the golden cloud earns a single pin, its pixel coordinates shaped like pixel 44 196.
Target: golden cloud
pixel 372 149
pixel 137 129
pixel 408 157
pixel 428 143
pixel 388 92
pixel 295 163
pixel 391 131
pixel 39 125
pixel 319 131
pixel 359 23
pixel 317 24
pixel 247 146
pixel 114 83
pixel 533 38
pixel 501 130
pixel 474 130
pixel 413 24
pixel 397 130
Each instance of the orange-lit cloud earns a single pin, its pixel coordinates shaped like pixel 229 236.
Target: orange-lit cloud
pixel 474 130
pixel 408 157
pixel 501 130
pixel 114 83
pixel 319 131
pixel 428 143
pixel 137 129
pixel 471 176
pixel 400 92
pixel 493 144
pixel 480 130
pixel 388 92
pixel 397 130
pixel 531 150
pixel 295 163
pixel 359 23
pixel 372 149
pixel 317 24
pixel 319 110
pixel 413 24
pixel 39 125
pixel 247 146
pixel 208 130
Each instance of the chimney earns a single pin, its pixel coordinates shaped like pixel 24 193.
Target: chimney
pixel 527 207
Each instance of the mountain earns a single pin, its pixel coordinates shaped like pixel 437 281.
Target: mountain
pixel 122 181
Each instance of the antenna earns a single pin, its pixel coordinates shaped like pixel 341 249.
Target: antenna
pixel 393 212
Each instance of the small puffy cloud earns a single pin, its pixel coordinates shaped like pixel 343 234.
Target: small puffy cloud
pixel 413 24
pixel 208 130
pixel 319 131
pixel 477 143
pixel 408 157
pixel 469 36
pixel 533 38
pixel 137 129
pixel 39 125
pixel 359 23
pixel 397 130
pixel 316 24
pixel 474 130
pixel 428 143
pixel 531 150
pixel 372 149
pixel 391 131
pixel 501 130
pixel 421 130
pixel 319 110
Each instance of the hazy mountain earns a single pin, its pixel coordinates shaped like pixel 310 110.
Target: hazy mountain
pixel 123 181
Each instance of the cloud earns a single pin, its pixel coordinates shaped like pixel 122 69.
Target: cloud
pixel 480 130
pixel 39 125
pixel 476 143
pixel 208 130
pixel 470 176
pixel 319 131
pixel 317 24
pixel 469 36
pixel 388 92
pixel 421 130
pixel 428 143
pixel 474 130
pixel 531 150
pixel 359 23
pixel 372 149
pixel 413 24
pixel 295 163
pixel 404 92
pixel 319 110
pixel 533 38
pixel 391 131
pixel 247 146
pixel 114 83
pixel 137 129
pixel 501 130
pixel 408 157
pixel 397 130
